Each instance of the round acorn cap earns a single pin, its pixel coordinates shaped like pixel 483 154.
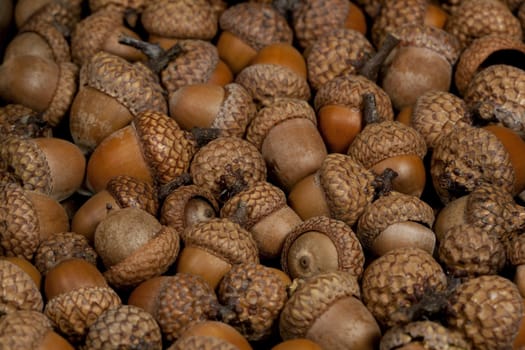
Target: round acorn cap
pixel 201 342
pixel 258 24
pixel 236 111
pixel 516 250
pixel 133 5
pixel 64 13
pixel 350 254
pixel 18 291
pixel 129 191
pixel 54 38
pixel 20 121
pixel 64 94
pixel 23 329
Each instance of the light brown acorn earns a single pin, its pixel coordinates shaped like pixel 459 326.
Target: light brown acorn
pixel 20 286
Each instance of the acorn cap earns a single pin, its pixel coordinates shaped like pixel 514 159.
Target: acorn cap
pixel 131 84
pixel 259 200
pixel 469 250
pixel 200 342
pixel 224 162
pixel 224 239
pixel 236 111
pixel 72 313
pixel 277 112
pixel 267 82
pixel 429 334
pixel 390 209
pixel 124 326
pixel 64 13
pixel 315 19
pixel 395 14
pixel 172 211
pixel 135 5
pixel 379 141
pixel 348 91
pixel 168 150
pixel 488 310
pixel 64 93
pixel 472 58
pixel 129 191
pixel 516 250
pixel 340 175
pixel 181 19
pixel 62 246
pixel 371 7
pixel 255 295
pixel 312 298
pixel 23 329
pixel 476 18
pixel 340 51
pixel 54 38
pixel 467 157
pixel 350 254
pixel 150 260
pixel 395 281
pixel 436 113
pixel 257 24
pixel 18 290
pixel 20 121
pixel 497 92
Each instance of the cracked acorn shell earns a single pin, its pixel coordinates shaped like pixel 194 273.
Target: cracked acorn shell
pixel 326 309
pixel 488 310
pixel 476 18
pixel 341 51
pixel 20 121
pixel 399 279
pixel 18 289
pixel 254 296
pixel 321 244
pixel 176 302
pixel 124 326
pixel 29 217
pixel 262 209
pixel 396 220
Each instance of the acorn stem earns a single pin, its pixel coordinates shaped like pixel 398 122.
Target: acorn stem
pixel 370 114
pixel 371 67
pixel 383 182
pixel 158 58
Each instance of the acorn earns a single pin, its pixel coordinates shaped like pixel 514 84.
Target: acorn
pixel 283 54
pixel 297 343
pixel 29 217
pixel 398 280
pixel 474 19
pixel 252 297
pixel 327 309
pixel 320 245
pixel 396 220
pixel 76 294
pixel 202 342
pixel 176 302
pixel 134 246
pixel 340 108
pixel 132 8
pixel 220 330
pixel 262 210
pixel 19 286
pixel 211 248
pixel 66 13
pixel 21 121
pixel 124 326
pixel 152 148
pixel 113 91
pixel 122 191
pixel 30 330
pixel 38 164
pixel 516 258
pixel 488 310
pixel 246 28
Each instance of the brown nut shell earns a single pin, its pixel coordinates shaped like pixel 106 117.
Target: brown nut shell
pixel 18 290
pixel 23 329
pixel 52 36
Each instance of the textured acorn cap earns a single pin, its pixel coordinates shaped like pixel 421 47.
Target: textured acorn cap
pixel 129 191
pixel 516 250
pixel 348 91
pixel 390 209
pixel 20 121
pixel 168 150
pixel 257 24
pixel 18 291
pixel 397 280
pixel 436 113
pixel 255 295
pixel 340 51
pixel 23 329
pixel 182 19
pixel 467 157
pixel 476 18
pixel 150 260
pixel 312 298
pixel 134 5
pixel 124 326
pixel 62 13
pixel 267 82
pixel 468 250
pixel 340 175
pixel 497 92
pixel 488 310
pixel 380 141
pixel 431 335
pixel 224 239
pixel 65 92
pixel 72 313
pixel 62 246
pixel 224 162
pixel 52 36
pixel 350 256
pixel 371 7
pixel 131 84
pixel 200 342
pixel 277 112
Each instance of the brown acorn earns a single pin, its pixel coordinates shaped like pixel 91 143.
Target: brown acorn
pixel 515 250
pixel 20 121
pixel 133 7
pixel 202 342
pixel 20 286
pixel 65 13
pixel 217 329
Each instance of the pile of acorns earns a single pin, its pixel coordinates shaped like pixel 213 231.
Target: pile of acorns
pixel 300 174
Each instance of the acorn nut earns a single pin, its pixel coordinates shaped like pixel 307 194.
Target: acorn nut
pixel 19 286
